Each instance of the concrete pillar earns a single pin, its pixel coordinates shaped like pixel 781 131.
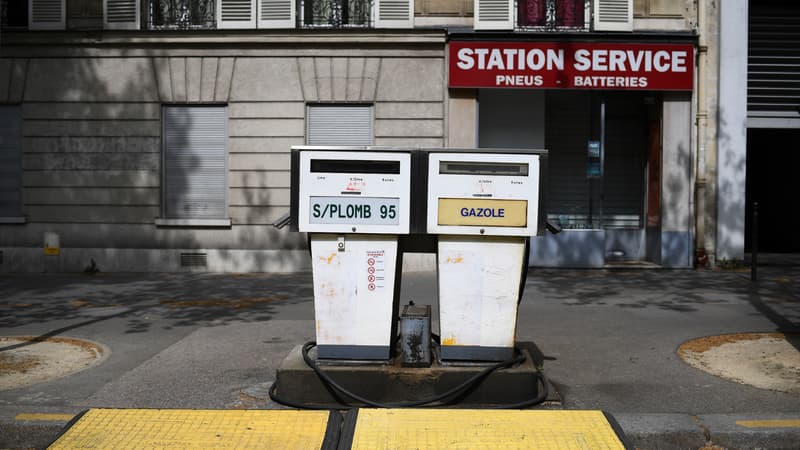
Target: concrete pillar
pixel 732 130
pixel 462 118
pixel 676 181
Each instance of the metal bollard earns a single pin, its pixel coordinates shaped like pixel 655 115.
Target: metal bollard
pixel 754 245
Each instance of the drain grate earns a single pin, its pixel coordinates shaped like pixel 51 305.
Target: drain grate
pixel 194 259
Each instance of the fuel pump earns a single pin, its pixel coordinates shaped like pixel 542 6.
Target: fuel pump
pixel 354 202
pixel 483 205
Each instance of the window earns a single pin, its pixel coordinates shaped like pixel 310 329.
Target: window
pixel 195 165
pixel 339 125
pixel 336 13
pixel 10 163
pixel 13 14
pixel 552 14
pixel 182 14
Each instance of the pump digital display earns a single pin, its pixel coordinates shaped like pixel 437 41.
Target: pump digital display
pixel 483 168
pixel 354 211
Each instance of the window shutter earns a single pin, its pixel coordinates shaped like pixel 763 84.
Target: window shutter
pixel 46 14
pixel 276 13
pixel 494 14
pixel 613 15
pixel 236 13
pixel 773 64
pixel 394 13
pixel 195 162
pixel 121 14
pixel 10 162
pixel 339 125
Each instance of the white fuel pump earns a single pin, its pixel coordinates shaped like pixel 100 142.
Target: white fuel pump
pixel 354 202
pixel 484 206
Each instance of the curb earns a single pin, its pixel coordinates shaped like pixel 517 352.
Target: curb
pixel 643 431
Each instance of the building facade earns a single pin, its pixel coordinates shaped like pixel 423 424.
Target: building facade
pixel 154 135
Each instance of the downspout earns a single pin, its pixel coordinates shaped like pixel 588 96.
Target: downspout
pixel 701 121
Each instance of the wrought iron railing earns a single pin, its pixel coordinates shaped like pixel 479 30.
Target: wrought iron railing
pixel 554 15
pixel 336 13
pixel 182 15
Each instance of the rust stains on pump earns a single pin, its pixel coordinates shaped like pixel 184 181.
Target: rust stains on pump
pixel 449 341
pixel 457 260
pixel 329 259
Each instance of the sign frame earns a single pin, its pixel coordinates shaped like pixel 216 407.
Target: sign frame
pixel 571 65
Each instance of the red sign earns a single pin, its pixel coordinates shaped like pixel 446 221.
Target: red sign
pixel 571 65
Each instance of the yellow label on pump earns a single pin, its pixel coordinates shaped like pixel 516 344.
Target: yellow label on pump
pixel 52 251
pixel 483 212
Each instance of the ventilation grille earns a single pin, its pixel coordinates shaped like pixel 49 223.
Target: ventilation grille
pixel 493 10
pixel 613 11
pixel 121 11
pixel 276 10
pixel 773 66
pixel 45 11
pixel 194 259
pixel 236 10
pixel 394 10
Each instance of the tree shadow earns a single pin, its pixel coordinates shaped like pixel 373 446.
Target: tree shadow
pixel 179 300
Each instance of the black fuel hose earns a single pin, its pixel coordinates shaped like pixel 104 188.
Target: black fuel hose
pixel 462 389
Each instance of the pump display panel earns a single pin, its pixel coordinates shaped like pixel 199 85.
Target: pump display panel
pixel 490 194
pixel 353 191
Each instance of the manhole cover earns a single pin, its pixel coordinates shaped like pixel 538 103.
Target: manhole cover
pixel 26 360
pixel 763 360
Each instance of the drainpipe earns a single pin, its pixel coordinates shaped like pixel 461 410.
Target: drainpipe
pixel 703 143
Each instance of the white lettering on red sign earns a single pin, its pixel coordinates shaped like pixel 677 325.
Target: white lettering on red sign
pixel 571 65
pixel 510 59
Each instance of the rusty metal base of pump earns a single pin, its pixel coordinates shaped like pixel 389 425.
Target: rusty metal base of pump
pixel 391 383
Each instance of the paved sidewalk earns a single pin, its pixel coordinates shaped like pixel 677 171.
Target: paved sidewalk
pixel 607 337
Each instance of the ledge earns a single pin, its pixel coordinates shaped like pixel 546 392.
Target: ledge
pixel 13 220
pixel 221 223
pixel 237 38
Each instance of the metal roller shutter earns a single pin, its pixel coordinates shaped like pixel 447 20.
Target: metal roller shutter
pixel 195 162
pixel 773 65
pixel 339 125
pixel 626 143
pixel 10 162
pixel 568 128
pixel 572 120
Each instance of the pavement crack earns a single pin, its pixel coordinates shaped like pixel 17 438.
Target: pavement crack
pixel 706 431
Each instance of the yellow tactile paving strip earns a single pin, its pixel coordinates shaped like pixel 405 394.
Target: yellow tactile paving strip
pixel 196 429
pixel 483 429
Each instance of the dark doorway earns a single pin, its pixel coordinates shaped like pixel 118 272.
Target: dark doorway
pixel 773 162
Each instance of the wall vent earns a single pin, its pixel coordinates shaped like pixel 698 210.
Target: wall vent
pixel 194 259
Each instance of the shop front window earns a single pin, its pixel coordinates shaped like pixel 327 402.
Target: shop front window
pixel 597 146
pixel 182 14
pixel 553 15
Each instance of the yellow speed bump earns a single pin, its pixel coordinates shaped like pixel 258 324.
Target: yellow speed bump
pixel 195 429
pixel 483 429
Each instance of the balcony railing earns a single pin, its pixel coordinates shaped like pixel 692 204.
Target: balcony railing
pixel 182 14
pixel 553 15
pixel 336 13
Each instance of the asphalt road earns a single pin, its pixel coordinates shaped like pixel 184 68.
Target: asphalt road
pixel 608 339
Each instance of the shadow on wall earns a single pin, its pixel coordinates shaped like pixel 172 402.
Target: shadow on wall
pixel 731 179
pixel 95 172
